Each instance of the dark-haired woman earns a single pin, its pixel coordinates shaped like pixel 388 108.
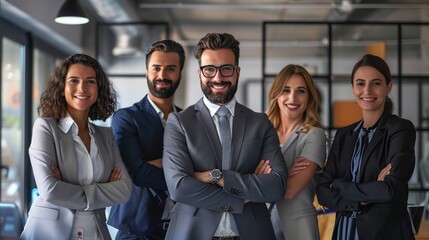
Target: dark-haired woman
pixel 366 176
pixel 76 164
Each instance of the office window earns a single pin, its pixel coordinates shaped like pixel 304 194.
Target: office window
pixel 12 121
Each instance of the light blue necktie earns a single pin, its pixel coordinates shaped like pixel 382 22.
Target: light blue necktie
pixel 225 136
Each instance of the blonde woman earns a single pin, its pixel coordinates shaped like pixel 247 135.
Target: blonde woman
pixel 293 110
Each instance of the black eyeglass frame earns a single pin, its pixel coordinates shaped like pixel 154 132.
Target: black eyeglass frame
pixel 219 69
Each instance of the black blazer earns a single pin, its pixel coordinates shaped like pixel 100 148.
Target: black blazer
pixel 382 205
pixel 139 133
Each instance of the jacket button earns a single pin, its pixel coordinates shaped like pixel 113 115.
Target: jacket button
pixel 226 208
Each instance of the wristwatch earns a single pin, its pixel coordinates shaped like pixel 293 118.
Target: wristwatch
pixel 215 175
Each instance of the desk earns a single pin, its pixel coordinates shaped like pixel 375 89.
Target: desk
pixel 423 231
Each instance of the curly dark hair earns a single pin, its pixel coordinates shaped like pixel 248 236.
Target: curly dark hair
pixel 215 41
pixel 53 104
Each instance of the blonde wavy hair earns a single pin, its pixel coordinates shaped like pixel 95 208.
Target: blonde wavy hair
pixel 311 115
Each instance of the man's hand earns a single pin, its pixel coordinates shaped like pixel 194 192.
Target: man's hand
pixel 156 162
pixel 203 176
pixel 263 167
pixel 115 175
pixel 384 172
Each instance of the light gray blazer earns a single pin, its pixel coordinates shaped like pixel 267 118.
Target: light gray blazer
pixel 52 213
pixel 191 144
pixel 298 216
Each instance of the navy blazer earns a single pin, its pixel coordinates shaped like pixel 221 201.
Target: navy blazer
pixel 139 134
pixel 382 204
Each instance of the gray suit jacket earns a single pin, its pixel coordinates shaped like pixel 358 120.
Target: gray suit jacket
pixel 52 213
pixel 191 144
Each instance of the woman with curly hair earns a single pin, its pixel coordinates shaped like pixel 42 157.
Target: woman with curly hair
pixel 76 164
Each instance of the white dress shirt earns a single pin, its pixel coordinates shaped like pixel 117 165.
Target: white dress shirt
pixel 227 226
pixel 90 166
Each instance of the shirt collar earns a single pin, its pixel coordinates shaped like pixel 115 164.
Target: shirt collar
pixel 214 107
pixel 67 123
pixel 157 110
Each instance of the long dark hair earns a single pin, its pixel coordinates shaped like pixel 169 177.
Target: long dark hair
pixel 381 66
pixel 53 104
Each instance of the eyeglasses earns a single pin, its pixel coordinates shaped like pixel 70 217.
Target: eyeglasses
pixel 210 71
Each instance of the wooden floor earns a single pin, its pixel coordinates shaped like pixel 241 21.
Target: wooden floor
pixel 423 233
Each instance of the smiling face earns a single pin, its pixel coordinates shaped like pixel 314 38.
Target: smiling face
pixel 81 90
pixel 163 74
pixel 294 98
pixel 370 89
pixel 219 89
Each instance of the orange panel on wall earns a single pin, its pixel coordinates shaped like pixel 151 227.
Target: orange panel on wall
pixel 346 113
pixel 377 49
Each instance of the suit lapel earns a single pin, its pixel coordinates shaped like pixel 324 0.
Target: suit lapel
pixel 349 145
pixel 292 138
pixel 67 161
pixel 149 112
pixel 104 151
pixel 375 141
pixel 238 131
pixel 206 121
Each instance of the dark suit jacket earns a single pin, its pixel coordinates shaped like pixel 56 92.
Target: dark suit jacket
pixel 139 134
pixel 384 216
pixel 191 144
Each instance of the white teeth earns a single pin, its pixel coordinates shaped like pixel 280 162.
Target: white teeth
pixel 81 97
pixel 293 106
pixel 368 99
pixel 218 87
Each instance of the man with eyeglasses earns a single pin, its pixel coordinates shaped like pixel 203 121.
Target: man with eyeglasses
pixel 222 161
pixel 139 132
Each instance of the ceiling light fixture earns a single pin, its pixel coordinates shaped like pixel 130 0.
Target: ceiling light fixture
pixel 346 6
pixel 71 13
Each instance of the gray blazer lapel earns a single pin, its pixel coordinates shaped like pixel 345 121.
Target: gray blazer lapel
pixel 292 138
pixel 67 160
pixel 238 131
pixel 206 121
pixel 103 151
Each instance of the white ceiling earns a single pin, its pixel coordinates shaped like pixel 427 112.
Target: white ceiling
pixel 191 20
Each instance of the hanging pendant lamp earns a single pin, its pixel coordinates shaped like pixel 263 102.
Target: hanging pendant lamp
pixel 71 13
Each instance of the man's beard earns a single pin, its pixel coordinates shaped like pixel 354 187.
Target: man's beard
pixel 163 92
pixel 219 98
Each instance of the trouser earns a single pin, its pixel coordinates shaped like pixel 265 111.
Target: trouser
pixel 157 234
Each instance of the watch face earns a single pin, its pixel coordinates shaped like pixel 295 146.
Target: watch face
pixel 215 175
